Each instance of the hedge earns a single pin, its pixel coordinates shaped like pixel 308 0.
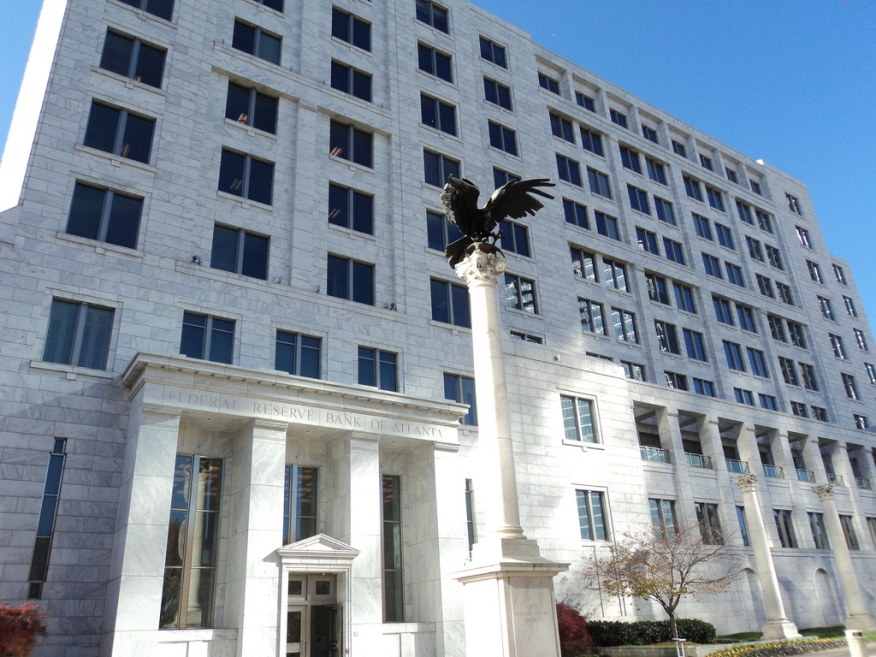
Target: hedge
pixel 780 648
pixel 646 633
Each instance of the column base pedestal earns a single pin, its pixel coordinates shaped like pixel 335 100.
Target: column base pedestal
pixel 861 622
pixel 780 630
pixel 510 609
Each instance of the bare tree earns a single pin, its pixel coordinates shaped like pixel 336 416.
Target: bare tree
pixel 665 566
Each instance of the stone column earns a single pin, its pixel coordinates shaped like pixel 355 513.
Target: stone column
pixel 859 617
pixel 137 567
pixel 510 609
pixel 252 594
pixel 777 626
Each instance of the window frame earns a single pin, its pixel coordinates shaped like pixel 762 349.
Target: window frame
pixel 81 338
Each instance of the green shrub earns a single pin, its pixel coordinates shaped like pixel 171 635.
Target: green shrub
pixel 646 633
pixel 780 648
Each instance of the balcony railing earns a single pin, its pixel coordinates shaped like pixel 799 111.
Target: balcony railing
pixel 835 479
pixel 739 467
pixel 806 475
pixel 698 460
pixel 654 454
pixel 774 471
pixel 863 483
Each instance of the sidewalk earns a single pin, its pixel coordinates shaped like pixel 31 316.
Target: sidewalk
pixel 844 652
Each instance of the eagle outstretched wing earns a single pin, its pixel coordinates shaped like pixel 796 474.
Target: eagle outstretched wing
pixel 515 199
pixel 460 198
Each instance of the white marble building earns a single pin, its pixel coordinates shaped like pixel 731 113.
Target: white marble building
pixel 221 253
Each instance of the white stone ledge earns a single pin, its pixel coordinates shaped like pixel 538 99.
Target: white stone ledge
pixel 71 370
pixel 408 628
pixel 184 636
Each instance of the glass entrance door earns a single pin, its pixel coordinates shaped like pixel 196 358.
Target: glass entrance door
pixel 313 618
pixel 295 635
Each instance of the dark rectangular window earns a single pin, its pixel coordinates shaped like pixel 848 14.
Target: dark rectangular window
pixel 502 177
pixel 548 83
pixel 731 175
pixel 789 371
pixel 585 101
pixel 656 171
pixel 716 198
pixel 299 503
pixel 440 232
pixel 819 531
pixel 712 266
pixel 743 396
pixel 450 303
pixel 161 8
pixel 734 274
pixel 119 132
pixel 678 148
pixel 784 292
pixel 192 544
pixel 207 338
pixel 785 527
pixel 744 213
pixel 297 354
pixel 684 298
pixel 526 337
pixel 634 371
pixel 378 368
pixel 674 250
pixel 246 176
pixel 630 159
pixel 469 514
pixel 703 387
pixel 693 189
pixel 706 162
pixel 624 323
pixel 701 224
pixel 462 389
pixel 515 238
pixel 393 573
pixel 132 58
pixel 438 114
pixel 351 81
pixel 733 352
pixel 350 279
pixel 777 328
pixel 695 345
pixel 351 29
pixel 568 170
pixel 798 338
pixel 754 250
pixel 722 311
pixel 105 215
pixel 250 107
pixel 39 564
pixel 808 373
pixel 562 127
pixel 591 515
pixel 497 93
pixel 725 236
pixel 639 199
pixel 431 14
pixel 667 337
pixel 239 251
pixel 710 525
pixel 575 213
pixel 591 141
pixel 618 118
pixel 647 241
pixel 765 285
pixel 584 264
pixel 351 143
pixel 434 63
pixel 664 210
pixel 520 293
pixel 662 518
pixel 658 291
pixel 503 138
pixel 438 168
pixel 591 315
pixel 675 380
pixel 599 183
pixel 78 334
pixel 649 133
pixel 349 208
pixel 493 52
pixel 254 40
pixel 746 318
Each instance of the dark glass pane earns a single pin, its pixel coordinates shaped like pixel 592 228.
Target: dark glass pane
pixel 340 77
pixel 237 103
pixel 440 306
pixel 339 137
pixel 490 90
pixel 393 603
pixel 388 376
pixel 40 562
pixel 62 329
pixel 442 67
pixel 150 66
pixel 432 167
pixel 362 148
pixel 182 475
pixel 161 8
pixel 94 346
pixel 47 516
pixel 451 387
pixel 133 3
pixel 448 118
pixel 451 168
pixel 309 357
pixel 85 211
pixel 499 56
pixel 367 371
pixel 427 111
pixel 459 296
pixel 339 198
pixel 495 135
pixel 124 221
pixel 285 357
pixel 361 35
pixel 363 213
pixel 116 56
pixel 509 141
pixel 363 283
pixel 439 19
pixel 269 48
pixel 224 253
pixel 261 181
pixel 274 4
pixel 486 49
pixel 206 528
pixel 170 597
pixel 340 25
pixel 265 113
pixel 293 625
pixel 244 37
pixel 210 474
pixel 453 232
pixel 435 230
pixel 338 283
pixel 231 173
pixel 176 538
pixel 521 240
pixel 255 256
pixel 468 397
pixel 392 545
pixel 53 476
pixel 306 492
pixel 423 11
pixel 504 97
pixel 103 122
pixel 192 341
pixel 200 603
pixel 362 86
pixel 391 502
pixel 305 528
pixel 222 341
pixel 425 58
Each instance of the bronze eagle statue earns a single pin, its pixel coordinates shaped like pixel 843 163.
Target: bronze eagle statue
pixel 478 225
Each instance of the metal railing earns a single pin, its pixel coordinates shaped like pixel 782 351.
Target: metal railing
pixel 863 483
pixel 654 454
pixel 698 460
pixel 774 471
pixel 806 475
pixel 738 467
pixel 835 479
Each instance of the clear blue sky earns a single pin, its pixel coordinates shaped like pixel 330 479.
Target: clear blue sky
pixel 790 81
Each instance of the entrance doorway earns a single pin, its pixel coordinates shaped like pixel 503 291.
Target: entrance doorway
pixel 313 616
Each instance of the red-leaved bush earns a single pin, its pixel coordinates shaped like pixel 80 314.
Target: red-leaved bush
pixel 19 628
pixel 574 637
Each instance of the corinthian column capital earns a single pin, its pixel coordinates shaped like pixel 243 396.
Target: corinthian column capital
pixel 747 482
pixel 481 266
pixel 824 491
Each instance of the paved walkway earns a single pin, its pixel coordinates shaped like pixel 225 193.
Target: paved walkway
pixel 844 652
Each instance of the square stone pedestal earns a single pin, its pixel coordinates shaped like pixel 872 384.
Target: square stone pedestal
pixel 510 609
pixel 777 630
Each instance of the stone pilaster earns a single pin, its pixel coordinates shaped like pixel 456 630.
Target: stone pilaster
pixel 859 616
pixel 777 626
